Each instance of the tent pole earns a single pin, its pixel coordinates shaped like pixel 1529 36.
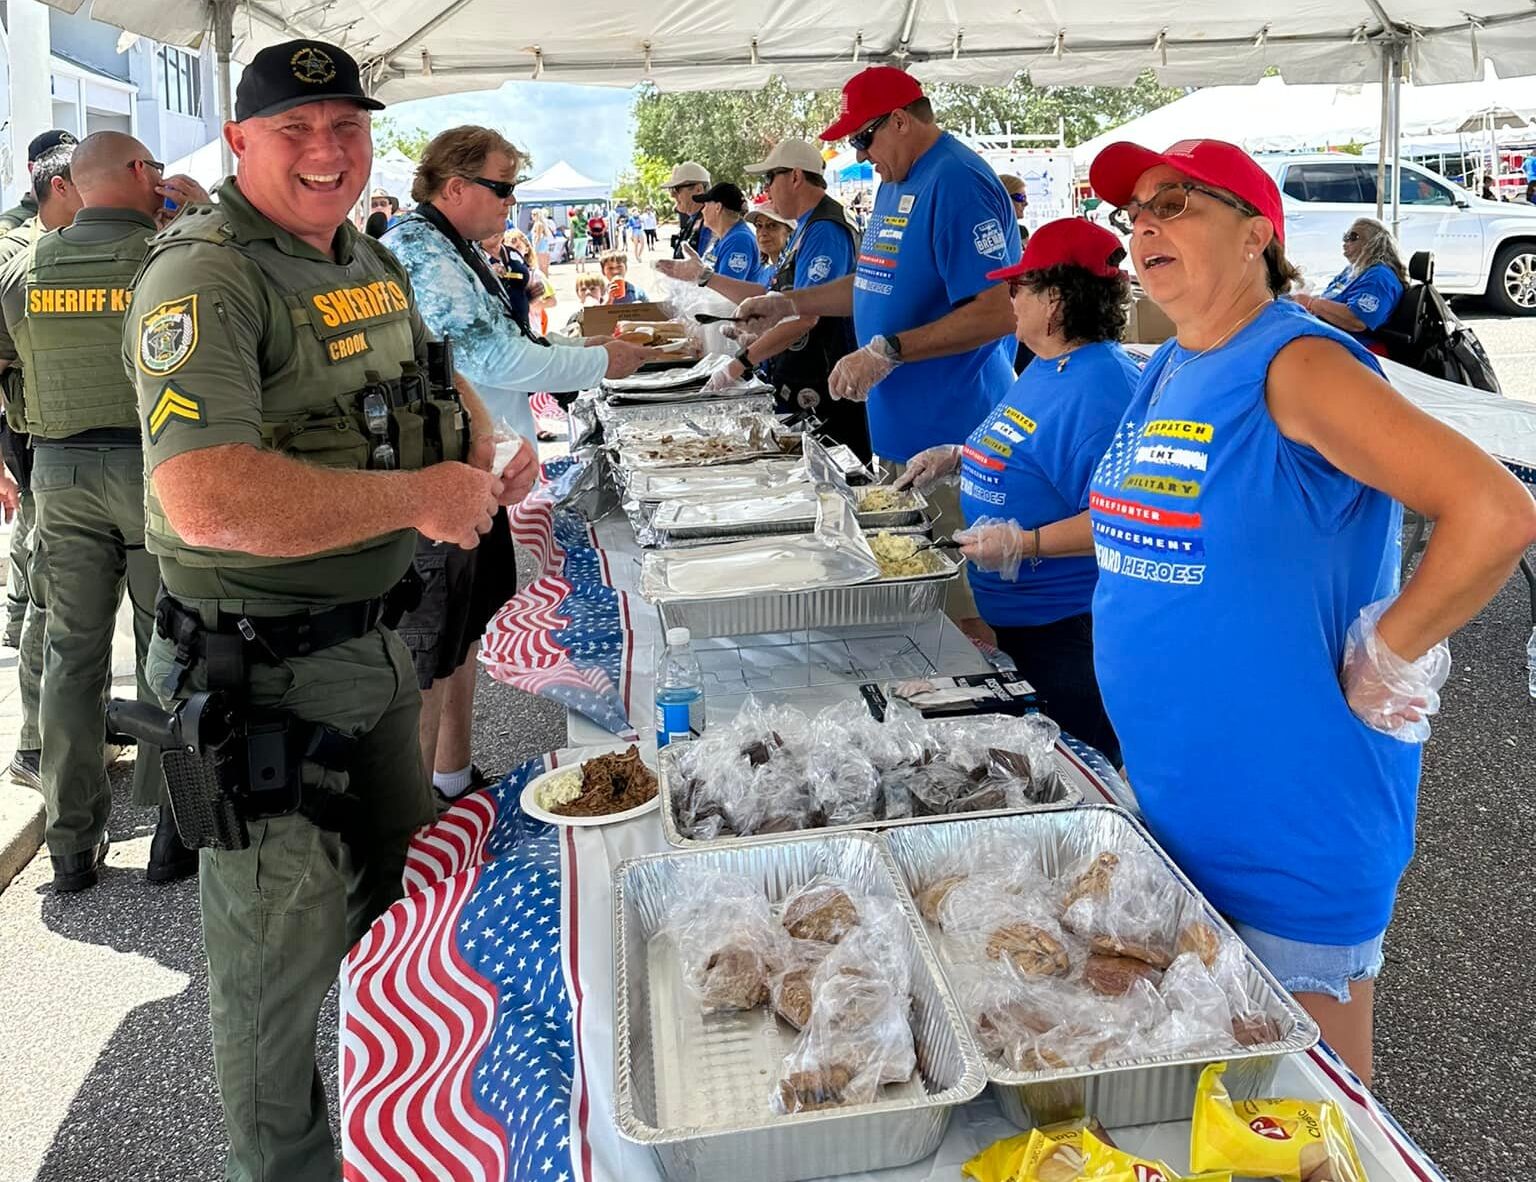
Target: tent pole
pixel 1386 130
pixel 1397 132
pixel 224 44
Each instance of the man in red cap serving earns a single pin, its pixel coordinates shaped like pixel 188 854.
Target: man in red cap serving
pixel 935 333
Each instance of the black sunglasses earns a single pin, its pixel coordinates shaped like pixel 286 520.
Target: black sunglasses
pixel 155 164
pixel 860 141
pixel 773 174
pixel 1351 237
pixel 502 189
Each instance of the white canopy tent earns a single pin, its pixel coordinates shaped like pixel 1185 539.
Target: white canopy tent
pixel 412 49
pixel 560 184
pixel 1274 116
pixel 393 171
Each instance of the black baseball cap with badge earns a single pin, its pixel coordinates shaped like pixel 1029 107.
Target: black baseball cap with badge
pixel 47 142
pixel 297 72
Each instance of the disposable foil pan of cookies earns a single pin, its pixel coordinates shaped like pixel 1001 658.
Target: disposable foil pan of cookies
pixel 1135 1091
pixel 697 1088
pixel 1058 792
pixel 616 417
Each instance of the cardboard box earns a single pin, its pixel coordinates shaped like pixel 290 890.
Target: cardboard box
pixel 601 319
pixel 1148 324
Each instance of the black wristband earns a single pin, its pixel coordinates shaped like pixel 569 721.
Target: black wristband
pixel 894 342
pixel 744 361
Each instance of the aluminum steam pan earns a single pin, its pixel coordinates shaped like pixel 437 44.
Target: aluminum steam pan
pixel 616 418
pixel 923 527
pixel 791 509
pixel 696 1088
pixel 914 511
pixel 1132 1092
pixel 1059 793
pixel 653 485
pixel 881 601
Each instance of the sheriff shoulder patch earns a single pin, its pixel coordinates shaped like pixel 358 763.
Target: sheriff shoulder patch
pixel 173 405
pixel 167 336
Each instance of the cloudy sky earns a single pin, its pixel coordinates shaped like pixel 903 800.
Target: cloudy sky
pixel 587 126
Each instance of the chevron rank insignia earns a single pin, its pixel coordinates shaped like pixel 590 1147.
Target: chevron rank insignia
pixel 173 405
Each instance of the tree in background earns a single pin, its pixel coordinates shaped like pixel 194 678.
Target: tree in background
pixel 641 185
pixel 725 130
pixel 387 134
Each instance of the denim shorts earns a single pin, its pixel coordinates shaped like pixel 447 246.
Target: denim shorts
pixel 1314 968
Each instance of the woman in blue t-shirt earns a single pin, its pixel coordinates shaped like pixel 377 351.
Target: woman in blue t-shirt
pixel 1269 684
pixel 1024 471
pixel 1361 297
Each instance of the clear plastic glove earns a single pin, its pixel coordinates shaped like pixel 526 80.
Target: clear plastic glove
pixel 857 373
pixel 930 468
pixel 687 269
pixel 1387 693
pixel 990 543
pixel 724 378
pixel 757 314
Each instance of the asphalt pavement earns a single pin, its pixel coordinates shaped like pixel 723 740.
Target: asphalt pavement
pixel 106 1073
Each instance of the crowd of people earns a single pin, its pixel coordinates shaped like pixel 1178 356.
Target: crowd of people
pixel 287 440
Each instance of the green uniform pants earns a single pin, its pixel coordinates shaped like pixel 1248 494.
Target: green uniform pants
pixel 29 570
pixel 279 916
pixel 90 521
pixel 17 596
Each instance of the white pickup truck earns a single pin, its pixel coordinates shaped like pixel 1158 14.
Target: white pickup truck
pixel 1484 248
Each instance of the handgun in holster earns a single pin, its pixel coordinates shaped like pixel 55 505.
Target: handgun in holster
pixel 226 764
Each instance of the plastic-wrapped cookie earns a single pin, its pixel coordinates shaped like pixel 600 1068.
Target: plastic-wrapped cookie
pixel 1094 882
pixel 1113 976
pixel 932 896
pixel 734 978
pixel 1030 949
pixel 791 995
pixel 820 911
pixel 814 1089
pixel 1201 939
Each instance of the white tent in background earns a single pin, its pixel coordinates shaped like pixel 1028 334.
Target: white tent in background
pixel 560 184
pixel 393 171
pixel 204 165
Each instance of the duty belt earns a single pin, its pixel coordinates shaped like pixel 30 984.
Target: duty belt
pixel 236 641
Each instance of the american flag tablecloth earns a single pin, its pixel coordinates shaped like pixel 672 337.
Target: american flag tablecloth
pixel 477 1016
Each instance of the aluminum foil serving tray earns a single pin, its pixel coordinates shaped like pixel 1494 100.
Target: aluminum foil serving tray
pixel 790 509
pixel 1060 793
pixel 883 601
pixel 696 1088
pixel 1142 1091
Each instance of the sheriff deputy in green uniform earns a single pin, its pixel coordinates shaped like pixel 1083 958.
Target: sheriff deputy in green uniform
pixel 56 202
pixel 81 411
pixel 26 208
pixel 277 353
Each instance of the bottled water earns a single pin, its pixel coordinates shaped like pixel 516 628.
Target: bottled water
pixel 1530 662
pixel 679 691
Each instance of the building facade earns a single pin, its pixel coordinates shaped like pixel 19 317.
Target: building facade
pixel 65 70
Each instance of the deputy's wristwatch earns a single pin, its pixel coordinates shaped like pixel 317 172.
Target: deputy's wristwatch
pixel 705 276
pixel 744 361
pixel 890 346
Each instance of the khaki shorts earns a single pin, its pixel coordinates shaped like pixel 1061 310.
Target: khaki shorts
pixel 944 501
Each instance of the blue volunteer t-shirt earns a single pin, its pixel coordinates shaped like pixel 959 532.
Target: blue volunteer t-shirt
pixel 822 252
pixel 1232 562
pixel 929 244
pixel 1370 295
pixel 735 254
pixel 1030 462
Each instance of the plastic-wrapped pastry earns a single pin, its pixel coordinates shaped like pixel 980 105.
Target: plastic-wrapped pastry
pixel 820 910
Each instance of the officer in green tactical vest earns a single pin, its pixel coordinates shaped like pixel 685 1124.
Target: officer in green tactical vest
pixel 87 480
pixel 294 450
pixel 57 201
pixel 26 209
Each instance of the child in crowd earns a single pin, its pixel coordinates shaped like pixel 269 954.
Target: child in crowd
pixel 615 266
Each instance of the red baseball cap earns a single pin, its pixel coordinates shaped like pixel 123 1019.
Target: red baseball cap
pixel 1073 242
pixel 869 94
pixel 1221 165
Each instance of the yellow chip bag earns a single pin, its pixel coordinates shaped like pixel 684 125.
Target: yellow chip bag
pixel 1291 1140
pixel 1105 1163
pixel 1053 1153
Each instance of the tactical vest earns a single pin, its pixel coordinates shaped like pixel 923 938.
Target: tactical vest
pixel 808 363
pixel 12 387
pixel 70 339
pixel 351 332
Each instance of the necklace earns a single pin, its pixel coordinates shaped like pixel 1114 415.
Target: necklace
pixel 1169 375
